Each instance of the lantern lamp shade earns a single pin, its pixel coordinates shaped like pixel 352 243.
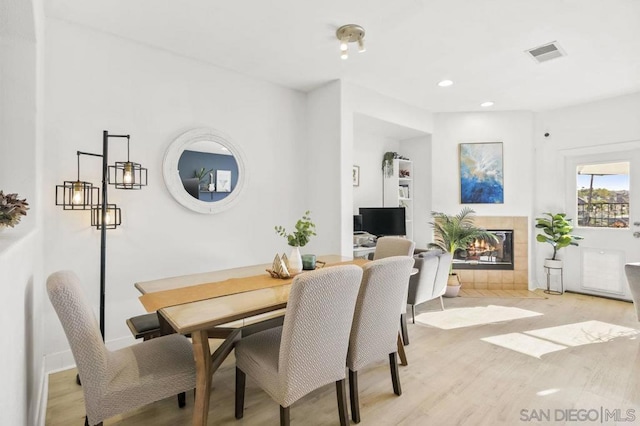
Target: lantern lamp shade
pixel 77 195
pixel 113 217
pixel 127 175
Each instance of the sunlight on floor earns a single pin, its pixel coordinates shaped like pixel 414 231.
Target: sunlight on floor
pixel 467 317
pixel 546 340
pixel 522 343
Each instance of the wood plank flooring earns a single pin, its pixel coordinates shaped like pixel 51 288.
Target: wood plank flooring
pixel 453 378
pixel 475 292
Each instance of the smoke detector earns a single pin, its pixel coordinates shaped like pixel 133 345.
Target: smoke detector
pixel 546 52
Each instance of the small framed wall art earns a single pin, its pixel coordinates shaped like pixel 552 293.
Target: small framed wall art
pixel 355 174
pixel 223 180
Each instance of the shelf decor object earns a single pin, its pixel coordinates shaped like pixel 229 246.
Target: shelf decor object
pixel 80 195
pixel 397 189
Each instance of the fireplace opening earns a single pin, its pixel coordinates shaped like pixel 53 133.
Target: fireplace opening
pixel 482 255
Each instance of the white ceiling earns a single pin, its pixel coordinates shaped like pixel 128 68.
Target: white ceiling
pixel 411 44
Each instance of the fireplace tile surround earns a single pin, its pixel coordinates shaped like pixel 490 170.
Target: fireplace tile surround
pixel 518 279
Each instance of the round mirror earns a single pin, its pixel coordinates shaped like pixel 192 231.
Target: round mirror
pixel 204 170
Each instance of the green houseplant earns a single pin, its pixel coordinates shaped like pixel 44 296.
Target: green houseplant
pixel 11 210
pixel 556 230
pixel 453 233
pixel 387 163
pixel 303 232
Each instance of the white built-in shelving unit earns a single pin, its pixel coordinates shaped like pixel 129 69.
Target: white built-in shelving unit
pixel 398 190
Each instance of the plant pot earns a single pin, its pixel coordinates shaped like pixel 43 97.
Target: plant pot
pixel 553 264
pixel 295 261
pixel 453 286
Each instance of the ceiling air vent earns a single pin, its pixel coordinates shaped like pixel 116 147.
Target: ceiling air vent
pixel 546 52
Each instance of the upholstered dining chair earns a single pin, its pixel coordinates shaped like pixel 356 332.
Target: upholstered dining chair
pixel 309 350
pixel 431 280
pixel 396 246
pixel 375 321
pixel 632 271
pixel 114 382
pixel 393 246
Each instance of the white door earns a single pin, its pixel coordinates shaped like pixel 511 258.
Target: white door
pixel 606 217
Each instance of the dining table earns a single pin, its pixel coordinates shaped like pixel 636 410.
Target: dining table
pixel 225 304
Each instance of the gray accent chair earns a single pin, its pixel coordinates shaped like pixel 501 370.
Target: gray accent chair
pixel 396 246
pixel 632 271
pixel 431 280
pixel 310 348
pixel 114 382
pixel 375 321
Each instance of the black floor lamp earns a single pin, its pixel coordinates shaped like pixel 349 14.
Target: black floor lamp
pixel 81 195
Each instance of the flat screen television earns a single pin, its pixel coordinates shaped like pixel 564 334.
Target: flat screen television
pixel 357 223
pixel 381 221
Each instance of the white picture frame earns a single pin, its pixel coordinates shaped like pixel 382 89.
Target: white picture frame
pixel 355 174
pixel 223 180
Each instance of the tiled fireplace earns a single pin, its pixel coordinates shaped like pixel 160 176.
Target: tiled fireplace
pixel 478 275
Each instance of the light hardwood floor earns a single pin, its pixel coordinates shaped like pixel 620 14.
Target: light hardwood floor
pixel 453 377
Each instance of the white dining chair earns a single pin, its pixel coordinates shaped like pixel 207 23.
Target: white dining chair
pixel 375 321
pixel 310 348
pixel 114 382
pixel 396 246
pixel 632 271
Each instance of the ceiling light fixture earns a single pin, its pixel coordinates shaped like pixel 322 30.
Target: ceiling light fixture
pixel 445 83
pixel 350 33
pixel 486 104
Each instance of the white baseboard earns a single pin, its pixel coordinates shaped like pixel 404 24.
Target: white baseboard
pixel 61 361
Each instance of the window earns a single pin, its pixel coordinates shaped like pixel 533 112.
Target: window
pixel 603 195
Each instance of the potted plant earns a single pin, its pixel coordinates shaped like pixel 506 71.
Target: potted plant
pixel 556 230
pixel 304 230
pixel 11 210
pixel 200 174
pixel 387 163
pixel 453 233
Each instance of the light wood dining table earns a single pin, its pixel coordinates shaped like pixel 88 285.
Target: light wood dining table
pixel 235 299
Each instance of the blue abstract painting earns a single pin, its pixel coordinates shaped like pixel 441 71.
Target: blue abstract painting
pixel 481 173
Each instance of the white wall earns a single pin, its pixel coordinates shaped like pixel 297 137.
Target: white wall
pixel 602 126
pixel 368 149
pixel 419 151
pixel 513 129
pixel 323 172
pixel 97 82
pixel 21 358
pixel 21 284
pixel 364 102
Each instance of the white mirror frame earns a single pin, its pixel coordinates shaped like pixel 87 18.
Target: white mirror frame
pixel 174 183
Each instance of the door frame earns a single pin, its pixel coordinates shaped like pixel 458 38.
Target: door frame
pixel 617 242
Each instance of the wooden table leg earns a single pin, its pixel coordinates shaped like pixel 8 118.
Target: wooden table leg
pixel 202 356
pixel 401 353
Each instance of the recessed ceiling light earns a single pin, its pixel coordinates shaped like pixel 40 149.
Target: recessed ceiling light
pixel 486 104
pixel 445 83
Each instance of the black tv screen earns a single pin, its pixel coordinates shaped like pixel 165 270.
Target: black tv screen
pixel 357 223
pixel 381 221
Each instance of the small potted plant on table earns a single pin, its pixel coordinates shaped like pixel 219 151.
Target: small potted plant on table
pixel 305 229
pixel 453 233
